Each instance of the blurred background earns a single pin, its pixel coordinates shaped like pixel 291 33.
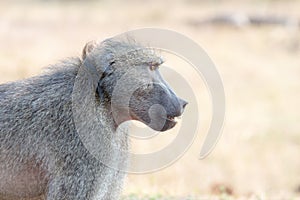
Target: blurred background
pixel 256 48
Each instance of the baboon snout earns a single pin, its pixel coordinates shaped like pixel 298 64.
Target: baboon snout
pixel 182 103
pixel 174 108
pixel 177 108
pixel 157 107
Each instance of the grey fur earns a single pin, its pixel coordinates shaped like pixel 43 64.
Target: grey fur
pixel 41 152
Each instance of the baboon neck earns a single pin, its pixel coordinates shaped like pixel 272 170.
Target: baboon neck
pixel 105 115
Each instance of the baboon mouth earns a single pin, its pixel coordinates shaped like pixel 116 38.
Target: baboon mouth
pixel 172 118
pixel 170 122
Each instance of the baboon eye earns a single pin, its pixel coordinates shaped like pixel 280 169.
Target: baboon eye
pixel 153 67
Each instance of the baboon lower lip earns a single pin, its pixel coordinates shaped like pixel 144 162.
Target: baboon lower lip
pixel 170 123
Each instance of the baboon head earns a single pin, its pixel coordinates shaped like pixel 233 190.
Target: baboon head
pixel 131 85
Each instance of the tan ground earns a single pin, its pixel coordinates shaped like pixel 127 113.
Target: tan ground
pixel 260 67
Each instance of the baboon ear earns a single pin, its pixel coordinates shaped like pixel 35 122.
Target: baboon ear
pixel 88 48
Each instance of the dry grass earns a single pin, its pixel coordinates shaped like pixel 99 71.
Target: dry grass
pixel 260 67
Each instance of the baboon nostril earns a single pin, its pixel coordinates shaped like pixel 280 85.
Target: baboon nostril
pixel 183 103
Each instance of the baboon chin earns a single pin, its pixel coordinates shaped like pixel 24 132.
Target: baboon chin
pixel 44 120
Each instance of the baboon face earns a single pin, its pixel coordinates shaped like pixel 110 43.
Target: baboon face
pixel 140 93
pixel 135 89
pixel 154 102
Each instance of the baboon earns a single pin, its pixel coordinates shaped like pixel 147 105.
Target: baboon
pixel 41 151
